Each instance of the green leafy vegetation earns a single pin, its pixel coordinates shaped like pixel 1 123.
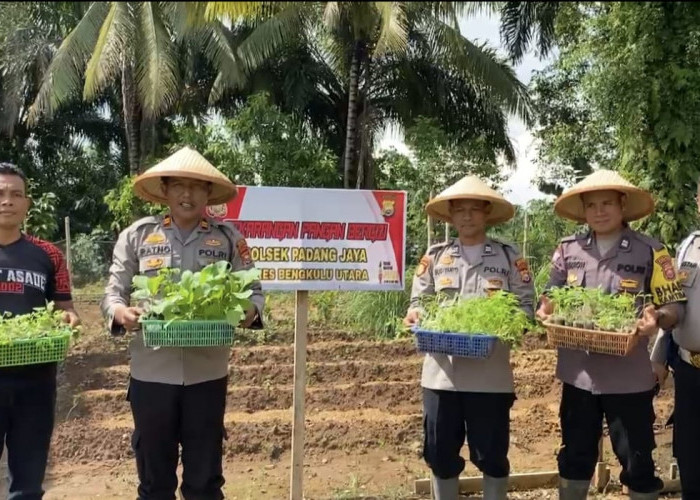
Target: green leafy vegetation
pixel 44 322
pixel 214 293
pixel 499 315
pixel 592 308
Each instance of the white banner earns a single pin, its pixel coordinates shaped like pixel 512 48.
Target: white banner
pixel 322 239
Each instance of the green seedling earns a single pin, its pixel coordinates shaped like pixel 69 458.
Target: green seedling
pixel 499 315
pixel 43 323
pixel 213 294
pixel 593 308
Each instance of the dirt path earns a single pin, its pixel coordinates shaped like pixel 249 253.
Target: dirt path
pixel 363 434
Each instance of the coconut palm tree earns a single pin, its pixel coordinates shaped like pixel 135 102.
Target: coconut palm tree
pixel 136 44
pixel 357 40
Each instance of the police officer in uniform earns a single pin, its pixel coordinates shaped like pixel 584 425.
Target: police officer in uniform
pixel 177 395
pixel 463 396
pixel 620 388
pixel 685 343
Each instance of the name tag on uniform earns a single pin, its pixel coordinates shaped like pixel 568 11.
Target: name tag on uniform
pixel 446 277
pixel 209 254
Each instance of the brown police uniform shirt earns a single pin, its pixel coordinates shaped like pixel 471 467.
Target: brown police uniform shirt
pixel 445 269
pixel 153 243
pixel 638 264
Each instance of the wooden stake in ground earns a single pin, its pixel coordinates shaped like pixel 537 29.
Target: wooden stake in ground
pixel 296 491
pixel 69 259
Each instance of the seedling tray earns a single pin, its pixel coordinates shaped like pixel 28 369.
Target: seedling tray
pixel 23 352
pixel 158 333
pixel 596 341
pixel 465 345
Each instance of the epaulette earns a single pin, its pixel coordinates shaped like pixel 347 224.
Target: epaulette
pixel 149 220
pixel 647 240
pixel 225 226
pixel 574 237
pixel 507 245
pixel 439 246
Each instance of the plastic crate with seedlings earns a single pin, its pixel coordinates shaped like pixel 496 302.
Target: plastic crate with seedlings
pixel 470 327
pixel 194 309
pixel 38 337
pixel 592 320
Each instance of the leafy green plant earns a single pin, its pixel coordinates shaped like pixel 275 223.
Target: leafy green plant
pixel 593 308
pixel 126 207
pixel 325 303
pixel 44 322
pixel 214 293
pixel 499 315
pixel 88 258
pixel 42 220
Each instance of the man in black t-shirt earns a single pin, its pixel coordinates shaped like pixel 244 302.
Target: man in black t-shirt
pixel 32 273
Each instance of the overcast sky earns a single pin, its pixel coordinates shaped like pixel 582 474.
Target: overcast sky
pixel 518 188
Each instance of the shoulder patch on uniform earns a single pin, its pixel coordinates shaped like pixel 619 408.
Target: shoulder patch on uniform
pixel 524 269
pixel 664 285
pixel 244 251
pixel 422 266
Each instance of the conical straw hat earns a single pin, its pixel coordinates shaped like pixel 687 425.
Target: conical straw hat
pixel 570 205
pixel 184 163
pixel 471 188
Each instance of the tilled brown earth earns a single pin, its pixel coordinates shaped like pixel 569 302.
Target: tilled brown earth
pixel 363 420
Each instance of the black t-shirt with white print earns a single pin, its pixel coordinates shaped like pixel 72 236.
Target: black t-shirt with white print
pixel 32 273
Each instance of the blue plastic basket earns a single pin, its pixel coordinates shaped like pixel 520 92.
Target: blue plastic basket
pixel 465 345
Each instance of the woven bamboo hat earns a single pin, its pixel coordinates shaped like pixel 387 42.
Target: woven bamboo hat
pixel 184 163
pixel 639 204
pixel 471 188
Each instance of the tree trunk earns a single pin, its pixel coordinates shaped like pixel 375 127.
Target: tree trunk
pixel 365 171
pixel 351 132
pixel 132 120
pixel 148 139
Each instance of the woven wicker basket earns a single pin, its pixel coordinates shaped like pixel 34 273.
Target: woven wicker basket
pixel 597 341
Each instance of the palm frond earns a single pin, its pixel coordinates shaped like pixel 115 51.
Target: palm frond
pixel 64 76
pixel 220 51
pixel 156 66
pixel 519 21
pixel 271 35
pixel 105 63
pixel 480 64
pixel 393 32
pixel 331 14
pixel 230 10
pixel 408 87
pixel 334 53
